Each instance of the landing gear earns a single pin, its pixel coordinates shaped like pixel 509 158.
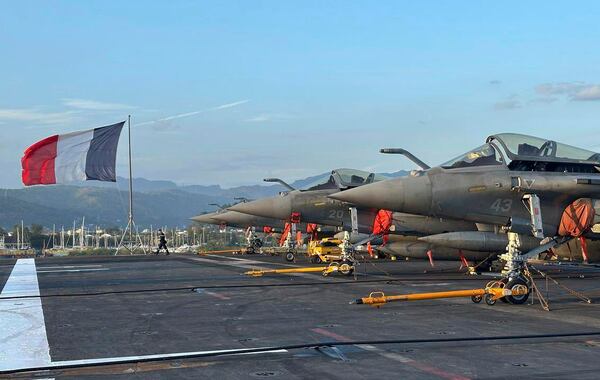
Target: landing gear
pixel 514 272
pixel 348 263
pixel 346 268
pixel 289 244
pixel 517 286
pixel 253 243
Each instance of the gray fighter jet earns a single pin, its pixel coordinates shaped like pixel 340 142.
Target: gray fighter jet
pixel 312 205
pixel 237 219
pixel 515 187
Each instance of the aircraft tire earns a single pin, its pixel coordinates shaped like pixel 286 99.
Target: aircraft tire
pixel 346 269
pixel 517 300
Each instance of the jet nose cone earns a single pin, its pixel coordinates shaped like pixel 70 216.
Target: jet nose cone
pixel 278 207
pixel 204 218
pixel 379 195
pixel 406 194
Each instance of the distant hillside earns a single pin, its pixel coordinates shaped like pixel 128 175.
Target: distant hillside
pixel 61 205
pixel 106 204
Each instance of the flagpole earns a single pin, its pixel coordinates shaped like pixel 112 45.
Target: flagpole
pixel 130 183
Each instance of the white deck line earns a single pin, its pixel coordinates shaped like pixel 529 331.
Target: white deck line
pixel 23 340
pixel 71 270
pixel 175 355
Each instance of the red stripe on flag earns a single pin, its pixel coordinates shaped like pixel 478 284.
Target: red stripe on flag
pixel 38 162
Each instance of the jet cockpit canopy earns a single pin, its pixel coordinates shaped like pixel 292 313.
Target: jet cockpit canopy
pixel 484 155
pixel 343 179
pixel 520 147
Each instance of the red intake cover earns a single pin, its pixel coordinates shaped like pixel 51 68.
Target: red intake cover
pixel 382 224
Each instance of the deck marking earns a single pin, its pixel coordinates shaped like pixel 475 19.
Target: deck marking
pixel 23 339
pixel 133 359
pixel 217 295
pixel 68 266
pixel 394 356
pixel 71 270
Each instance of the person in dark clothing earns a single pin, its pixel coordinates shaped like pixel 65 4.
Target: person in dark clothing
pixel 162 242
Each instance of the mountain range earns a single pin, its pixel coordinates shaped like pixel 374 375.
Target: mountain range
pixel 156 202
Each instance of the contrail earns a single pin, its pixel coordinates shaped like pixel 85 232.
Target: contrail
pixel 188 114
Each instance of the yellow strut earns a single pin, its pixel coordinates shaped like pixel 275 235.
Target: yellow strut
pixel 379 298
pixel 331 268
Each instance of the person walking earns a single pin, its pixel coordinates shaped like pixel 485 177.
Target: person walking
pixel 162 242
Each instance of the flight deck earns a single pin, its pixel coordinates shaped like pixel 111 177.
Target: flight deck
pixel 199 316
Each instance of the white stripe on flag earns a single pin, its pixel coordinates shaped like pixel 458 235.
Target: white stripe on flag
pixel 71 153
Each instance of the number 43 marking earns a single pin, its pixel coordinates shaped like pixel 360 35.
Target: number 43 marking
pixel 503 205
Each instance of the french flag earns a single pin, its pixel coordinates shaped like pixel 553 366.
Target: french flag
pixel 77 156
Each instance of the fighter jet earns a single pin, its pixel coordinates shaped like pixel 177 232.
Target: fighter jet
pixel 312 205
pixel 237 219
pixel 515 184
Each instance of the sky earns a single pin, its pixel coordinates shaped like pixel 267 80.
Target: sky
pixel 229 93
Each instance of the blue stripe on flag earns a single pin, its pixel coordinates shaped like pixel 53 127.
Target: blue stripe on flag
pixel 102 156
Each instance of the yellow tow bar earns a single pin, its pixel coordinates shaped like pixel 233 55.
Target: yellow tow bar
pixel 489 294
pixel 344 268
pixel 219 252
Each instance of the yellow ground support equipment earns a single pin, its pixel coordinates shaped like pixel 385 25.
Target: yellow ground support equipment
pixel 494 291
pixel 325 250
pixel 343 268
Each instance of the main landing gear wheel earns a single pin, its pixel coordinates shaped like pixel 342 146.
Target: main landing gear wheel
pixel 289 256
pixel 249 250
pixel 517 284
pixel 315 260
pixel 476 299
pixel 346 269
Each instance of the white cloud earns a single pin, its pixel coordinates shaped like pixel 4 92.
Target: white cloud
pixel 265 117
pixel 260 118
pixel 577 91
pixel 188 114
pixel 229 105
pixel 591 92
pixel 94 105
pixel 562 88
pixel 36 116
